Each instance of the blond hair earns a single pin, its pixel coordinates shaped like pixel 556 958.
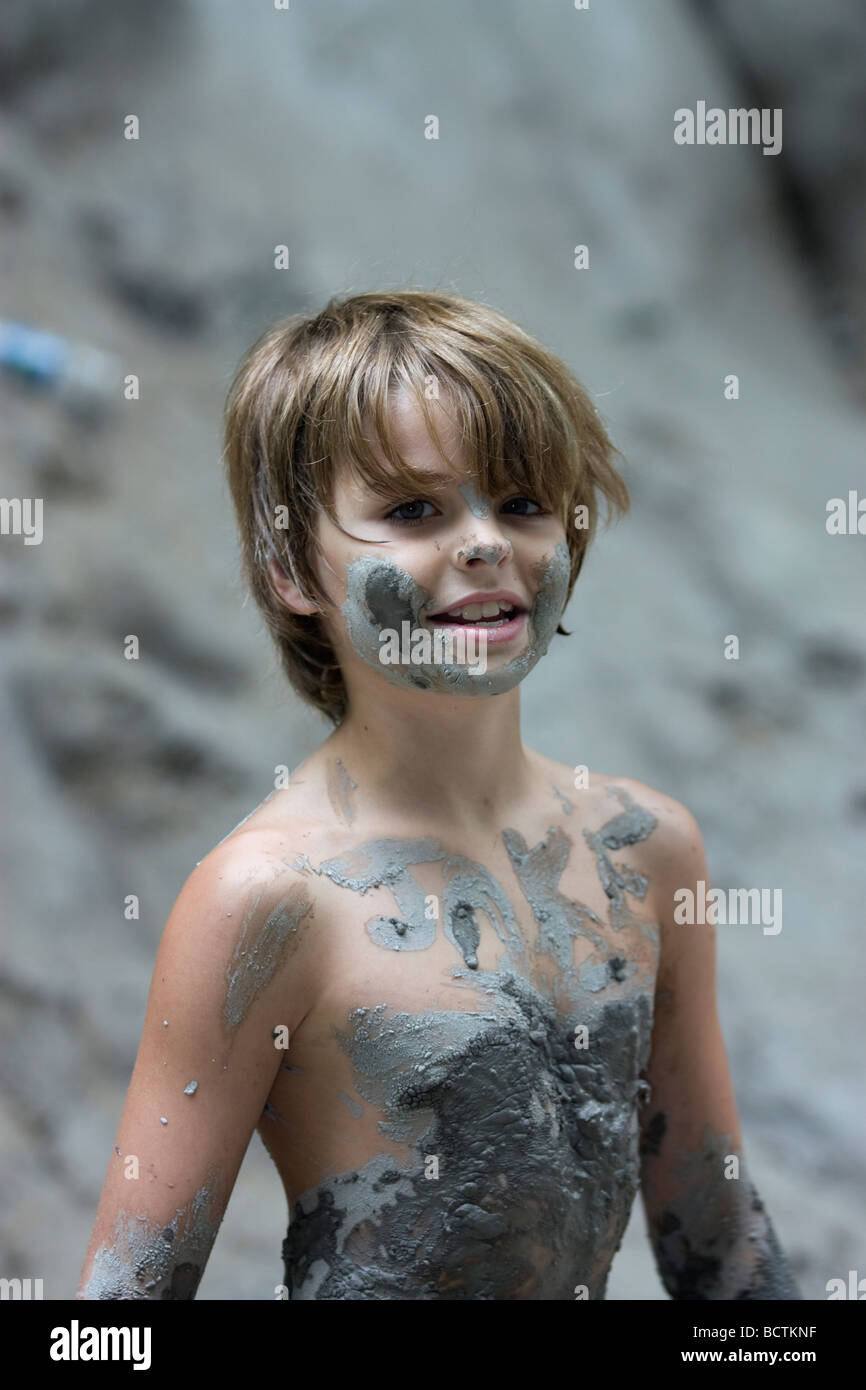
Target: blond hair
pixel 303 393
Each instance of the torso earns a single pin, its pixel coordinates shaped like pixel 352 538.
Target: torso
pixel 457 1114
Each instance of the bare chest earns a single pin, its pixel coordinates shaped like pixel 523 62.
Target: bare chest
pixel 457 1113
pixel 505 982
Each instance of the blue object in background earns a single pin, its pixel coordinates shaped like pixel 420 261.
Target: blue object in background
pixel 46 360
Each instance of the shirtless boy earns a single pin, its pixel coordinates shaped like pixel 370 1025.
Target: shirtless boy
pixel 438 972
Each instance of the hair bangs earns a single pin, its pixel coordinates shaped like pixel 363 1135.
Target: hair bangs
pixel 510 436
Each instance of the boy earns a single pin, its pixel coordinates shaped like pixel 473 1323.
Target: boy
pixel 438 972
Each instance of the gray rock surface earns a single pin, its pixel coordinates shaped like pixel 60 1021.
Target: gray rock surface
pixel 306 128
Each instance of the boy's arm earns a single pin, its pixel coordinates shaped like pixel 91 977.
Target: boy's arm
pixel 225 979
pixel 711 1234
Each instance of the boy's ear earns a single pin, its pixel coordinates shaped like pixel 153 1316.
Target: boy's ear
pixel 288 590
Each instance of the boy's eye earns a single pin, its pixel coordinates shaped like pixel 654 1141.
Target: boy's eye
pixel 517 505
pixel 409 511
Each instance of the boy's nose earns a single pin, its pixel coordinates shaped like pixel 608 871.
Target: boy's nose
pixel 490 551
pixel 485 541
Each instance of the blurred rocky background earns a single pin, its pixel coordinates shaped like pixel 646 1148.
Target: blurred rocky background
pixel 260 127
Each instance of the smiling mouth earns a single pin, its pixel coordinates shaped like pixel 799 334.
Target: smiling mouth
pixel 488 615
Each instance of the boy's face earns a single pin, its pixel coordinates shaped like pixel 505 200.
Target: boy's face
pixel 491 574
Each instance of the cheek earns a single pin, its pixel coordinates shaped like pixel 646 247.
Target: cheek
pixel 331 561
pixel 379 595
pixel 422 564
pixel 554 576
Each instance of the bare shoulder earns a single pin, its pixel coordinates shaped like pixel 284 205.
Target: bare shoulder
pixel 255 868
pixel 252 886
pixel 267 865
pixel 605 793
pixel 661 835
pixel 675 827
pixel 672 845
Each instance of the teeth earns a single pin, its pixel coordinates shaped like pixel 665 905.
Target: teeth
pixel 473 611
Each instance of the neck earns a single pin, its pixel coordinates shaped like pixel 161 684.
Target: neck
pixel 430 757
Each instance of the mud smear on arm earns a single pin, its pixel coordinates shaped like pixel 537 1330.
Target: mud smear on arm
pixel 261 949
pixel 149 1261
pixel 716 1240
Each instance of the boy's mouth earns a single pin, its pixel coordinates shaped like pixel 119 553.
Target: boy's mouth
pixel 490 614
pixel 501 617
